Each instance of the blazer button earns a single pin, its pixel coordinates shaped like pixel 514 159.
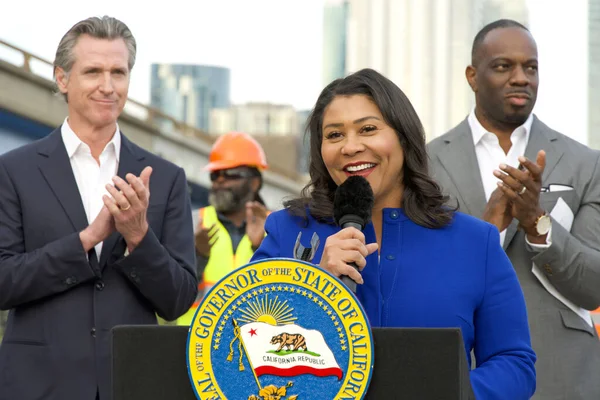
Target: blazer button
pixel 99 285
pixel 70 280
pixel 133 274
pixel 390 257
pixel 93 332
pixel 394 214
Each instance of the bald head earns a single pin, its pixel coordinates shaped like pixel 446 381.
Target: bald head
pixel 504 75
pixel 483 33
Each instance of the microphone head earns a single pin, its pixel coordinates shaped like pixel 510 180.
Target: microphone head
pixel 353 197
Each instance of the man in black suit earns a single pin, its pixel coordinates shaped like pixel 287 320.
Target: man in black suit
pixel 94 230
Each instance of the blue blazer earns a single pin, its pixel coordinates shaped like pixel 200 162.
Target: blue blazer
pixel 456 276
pixel 63 304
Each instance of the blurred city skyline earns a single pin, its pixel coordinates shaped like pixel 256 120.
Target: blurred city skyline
pixel 274 48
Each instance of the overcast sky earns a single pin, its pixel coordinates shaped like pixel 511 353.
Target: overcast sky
pixel 273 47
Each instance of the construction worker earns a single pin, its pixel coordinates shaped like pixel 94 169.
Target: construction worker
pixel 231 228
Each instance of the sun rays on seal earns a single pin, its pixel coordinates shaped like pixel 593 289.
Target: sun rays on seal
pixel 269 311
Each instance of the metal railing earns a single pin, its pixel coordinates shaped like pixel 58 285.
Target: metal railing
pixel 150 115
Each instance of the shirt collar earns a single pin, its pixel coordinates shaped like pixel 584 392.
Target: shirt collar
pixel 478 131
pixel 226 221
pixel 72 141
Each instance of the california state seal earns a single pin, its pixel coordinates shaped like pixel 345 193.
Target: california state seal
pixel 280 329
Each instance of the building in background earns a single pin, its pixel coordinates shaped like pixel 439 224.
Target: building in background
pixel 424 46
pixel 278 128
pixel 490 10
pixel 189 92
pixel 594 74
pixel 303 142
pixel 255 119
pixel 335 22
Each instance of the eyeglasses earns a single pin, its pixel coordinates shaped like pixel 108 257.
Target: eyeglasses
pixel 230 174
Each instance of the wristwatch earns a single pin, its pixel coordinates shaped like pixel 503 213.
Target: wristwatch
pixel 543 224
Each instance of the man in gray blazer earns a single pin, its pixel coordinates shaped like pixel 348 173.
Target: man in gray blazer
pixel 94 231
pixel 542 190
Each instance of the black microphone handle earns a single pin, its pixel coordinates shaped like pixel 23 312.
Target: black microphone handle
pixel 349 282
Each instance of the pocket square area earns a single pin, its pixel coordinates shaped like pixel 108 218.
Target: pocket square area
pixel 556 187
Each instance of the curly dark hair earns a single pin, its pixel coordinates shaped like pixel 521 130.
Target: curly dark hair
pixel 423 201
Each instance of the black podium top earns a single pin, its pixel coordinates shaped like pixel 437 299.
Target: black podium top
pixel 149 362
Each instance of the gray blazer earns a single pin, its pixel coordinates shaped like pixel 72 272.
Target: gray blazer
pixel 568 350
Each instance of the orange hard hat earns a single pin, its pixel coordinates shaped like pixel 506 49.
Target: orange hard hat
pixel 236 149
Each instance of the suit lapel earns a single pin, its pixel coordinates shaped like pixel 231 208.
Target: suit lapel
pixel 544 138
pixel 540 138
pixel 129 162
pixel 55 166
pixel 460 162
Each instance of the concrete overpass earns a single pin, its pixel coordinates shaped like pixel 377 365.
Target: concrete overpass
pixel 30 109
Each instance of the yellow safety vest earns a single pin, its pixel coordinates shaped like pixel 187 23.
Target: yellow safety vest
pixel 222 259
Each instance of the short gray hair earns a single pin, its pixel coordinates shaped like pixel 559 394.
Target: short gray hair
pixel 100 28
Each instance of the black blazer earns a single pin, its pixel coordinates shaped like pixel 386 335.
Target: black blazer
pixel 62 306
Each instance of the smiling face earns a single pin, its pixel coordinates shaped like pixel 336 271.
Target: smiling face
pixel 357 141
pixel 98 83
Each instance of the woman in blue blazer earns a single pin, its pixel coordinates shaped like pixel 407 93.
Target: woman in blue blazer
pixel 421 263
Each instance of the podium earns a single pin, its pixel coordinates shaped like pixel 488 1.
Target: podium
pixel 149 363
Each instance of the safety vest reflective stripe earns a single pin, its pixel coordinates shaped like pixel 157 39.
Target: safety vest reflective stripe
pixel 222 260
pixel 596 319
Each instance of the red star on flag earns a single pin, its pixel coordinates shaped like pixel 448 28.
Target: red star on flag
pixel 252 332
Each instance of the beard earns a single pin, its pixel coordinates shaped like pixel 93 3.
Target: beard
pixel 517 118
pixel 230 199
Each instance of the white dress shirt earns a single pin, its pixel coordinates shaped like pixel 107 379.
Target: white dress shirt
pixel 92 178
pixel 490 155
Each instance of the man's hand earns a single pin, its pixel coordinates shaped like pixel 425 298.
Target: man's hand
pixel 498 210
pixel 256 215
pixel 523 188
pixel 101 228
pixel 205 238
pixel 129 205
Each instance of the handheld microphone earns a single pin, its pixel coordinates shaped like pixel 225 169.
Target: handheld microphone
pixel 352 206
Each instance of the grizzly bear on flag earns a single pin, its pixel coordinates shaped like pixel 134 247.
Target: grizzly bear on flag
pixel 294 341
